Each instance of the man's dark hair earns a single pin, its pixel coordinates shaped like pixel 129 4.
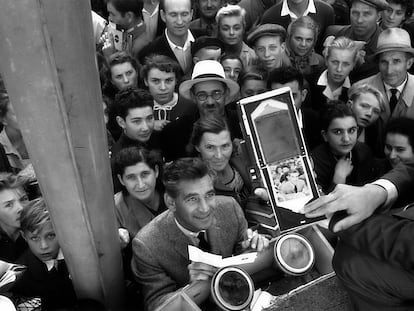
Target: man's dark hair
pixel 124 6
pixel 338 110
pixel 162 63
pixel 403 126
pixel 285 75
pixel 132 98
pixel 210 124
pixel 184 169
pixel 405 4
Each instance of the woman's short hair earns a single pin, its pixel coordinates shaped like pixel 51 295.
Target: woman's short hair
pixel 162 63
pixel 304 22
pixel 209 124
pixel 121 58
pixel 231 10
pixel 253 73
pixel 403 126
pixel 134 155
pixel 406 4
pixel 357 89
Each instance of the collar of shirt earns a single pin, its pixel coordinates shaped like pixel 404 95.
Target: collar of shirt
pixel 52 263
pixel 400 88
pixel 136 27
pixel 187 43
pixel 328 92
pixel 286 11
pixel 190 234
pixel 145 12
pixel 168 106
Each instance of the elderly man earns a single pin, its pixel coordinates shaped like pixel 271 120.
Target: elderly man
pixel 364 16
pixel 177 38
pixel 210 91
pixel 196 217
pixel 395 57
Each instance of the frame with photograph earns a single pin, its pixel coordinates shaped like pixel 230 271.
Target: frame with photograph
pixel 273 133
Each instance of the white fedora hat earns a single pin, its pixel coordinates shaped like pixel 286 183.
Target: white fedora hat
pixel 394 39
pixel 208 70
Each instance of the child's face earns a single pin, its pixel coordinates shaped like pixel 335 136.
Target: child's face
pixel 341 135
pixel 43 242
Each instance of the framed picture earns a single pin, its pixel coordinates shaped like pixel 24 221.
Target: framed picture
pixel 276 144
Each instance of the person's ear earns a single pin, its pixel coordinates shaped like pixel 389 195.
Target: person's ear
pixel 162 15
pixel 350 103
pixel 323 133
pixel 157 171
pixel 197 148
pixel 121 122
pixel 283 46
pixel 146 82
pixel 410 62
pixel 23 235
pixel 196 59
pixel 169 202
pixel 304 94
pixel 130 16
pixel 378 16
pixel 120 180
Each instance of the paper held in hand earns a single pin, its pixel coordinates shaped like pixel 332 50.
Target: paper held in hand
pixel 197 255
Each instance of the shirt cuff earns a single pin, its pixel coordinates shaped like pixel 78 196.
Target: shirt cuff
pixel 390 188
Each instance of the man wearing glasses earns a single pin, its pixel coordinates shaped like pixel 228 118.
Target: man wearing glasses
pixel 210 91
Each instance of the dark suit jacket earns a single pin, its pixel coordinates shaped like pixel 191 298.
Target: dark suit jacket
pixel 54 287
pixel 388 238
pixel 160 249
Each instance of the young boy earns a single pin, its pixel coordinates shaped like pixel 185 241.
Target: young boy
pixel 46 276
pixel 341 159
pixel 268 41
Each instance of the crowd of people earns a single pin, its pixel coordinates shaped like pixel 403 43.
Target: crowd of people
pixel 172 73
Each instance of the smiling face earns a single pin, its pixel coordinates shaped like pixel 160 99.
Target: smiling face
pixel 123 76
pixel 398 149
pixel 367 109
pixel 341 135
pixel 393 66
pixel 340 63
pixel 138 124
pixel 394 16
pixel 302 41
pixel 43 242
pixel 177 15
pixel 216 150
pixel 140 180
pixel 10 210
pixel 161 85
pixel 207 96
pixel 269 51
pixel 231 30
pixel 194 206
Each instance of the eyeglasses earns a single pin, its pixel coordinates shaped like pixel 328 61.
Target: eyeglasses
pixel 216 95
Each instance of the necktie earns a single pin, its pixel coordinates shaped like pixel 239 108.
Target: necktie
pixel 203 244
pixel 393 99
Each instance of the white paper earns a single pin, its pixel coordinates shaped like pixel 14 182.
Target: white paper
pixel 197 255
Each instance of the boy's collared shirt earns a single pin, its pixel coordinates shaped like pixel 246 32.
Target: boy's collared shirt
pixel 50 264
pixel 328 92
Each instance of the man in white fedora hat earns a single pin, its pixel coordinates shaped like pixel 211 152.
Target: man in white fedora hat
pixel 210 91
pixel 395 56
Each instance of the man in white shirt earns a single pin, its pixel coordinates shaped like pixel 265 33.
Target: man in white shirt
pixel 176 41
